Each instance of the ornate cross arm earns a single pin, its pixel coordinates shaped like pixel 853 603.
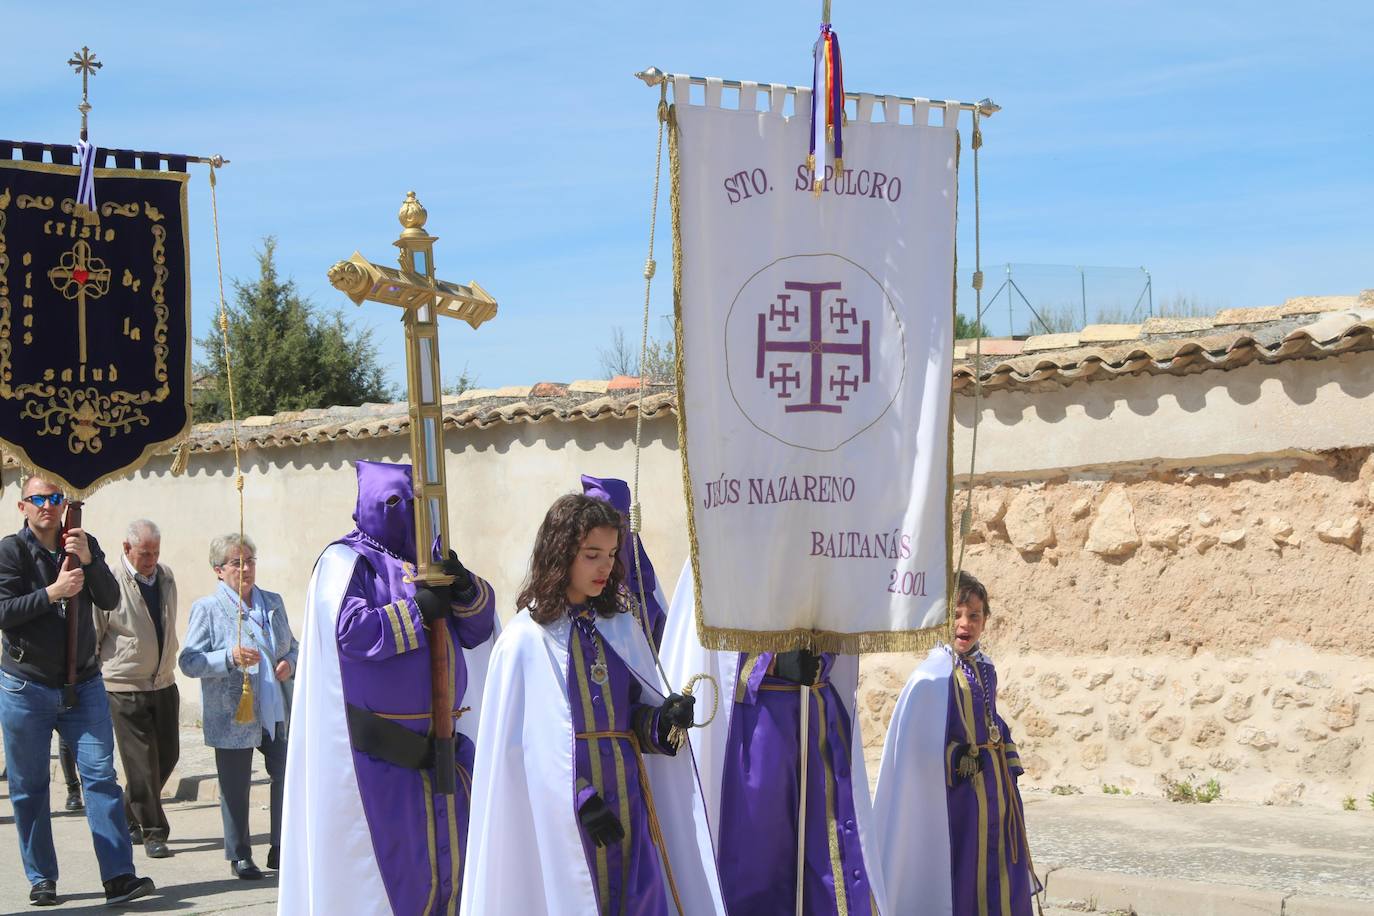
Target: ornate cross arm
pixel 423 298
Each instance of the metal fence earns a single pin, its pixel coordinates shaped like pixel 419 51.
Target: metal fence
pixel 1025 299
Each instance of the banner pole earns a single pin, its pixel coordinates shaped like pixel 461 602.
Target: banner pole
pixel 805 743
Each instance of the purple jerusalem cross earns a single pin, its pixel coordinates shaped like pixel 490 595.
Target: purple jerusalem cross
pixel 817 348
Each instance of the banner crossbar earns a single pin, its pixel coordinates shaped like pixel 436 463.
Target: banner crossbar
pixel 985 107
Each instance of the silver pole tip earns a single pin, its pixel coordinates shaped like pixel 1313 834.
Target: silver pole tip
pixel 651 77
pixel 987 108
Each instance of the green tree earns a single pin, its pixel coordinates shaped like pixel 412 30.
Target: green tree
pixel 966 328
pixel 286 354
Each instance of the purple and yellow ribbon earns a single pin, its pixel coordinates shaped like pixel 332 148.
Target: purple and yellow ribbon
pixel 827 107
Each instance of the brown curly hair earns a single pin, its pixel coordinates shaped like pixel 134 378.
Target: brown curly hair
pixel 567 522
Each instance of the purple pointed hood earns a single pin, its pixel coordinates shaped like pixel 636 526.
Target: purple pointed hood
pixel 386 506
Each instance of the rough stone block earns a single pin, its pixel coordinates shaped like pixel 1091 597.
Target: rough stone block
pixel 1109 333
pixel 1113 532
pixel 1051 685
pixel 1205 694
pixel 1257 738
pixel 1237 708
pixel 1028 523
pixel 1208 732
pixel 1347 532
pixel 1168 534
pixel 1167 729
pixel 1082 507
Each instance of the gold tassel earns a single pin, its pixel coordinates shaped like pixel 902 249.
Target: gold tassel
pixel 677 735
pixel 244 714
pixel 839 166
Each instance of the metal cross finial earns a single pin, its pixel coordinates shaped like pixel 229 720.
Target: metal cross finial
pixel 84 62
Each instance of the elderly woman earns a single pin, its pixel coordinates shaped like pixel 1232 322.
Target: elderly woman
pixel 240 635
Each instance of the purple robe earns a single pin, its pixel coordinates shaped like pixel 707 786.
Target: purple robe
pixel 617 493
pixel 628 876
pixel 418 836
pixel 989 867
pixel 759 799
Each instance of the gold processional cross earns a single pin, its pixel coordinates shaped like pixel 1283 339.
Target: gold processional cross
pixel 84 62
pixel 81 277
pixel 414 288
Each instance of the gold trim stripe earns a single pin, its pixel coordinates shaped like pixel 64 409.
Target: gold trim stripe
pixel 832 828
pixel 593 755
pixel 397 634
pixel 623 790
pixel 965 696
pixel 746 673
pixel 479 603
pixel 403 611
pixel 429 838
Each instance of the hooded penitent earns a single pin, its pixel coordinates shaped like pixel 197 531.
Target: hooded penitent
pixel 364 830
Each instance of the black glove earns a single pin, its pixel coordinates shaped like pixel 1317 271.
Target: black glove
pixel 434 600
pixel 677 710
pixel 968 763
pixel 464 587
pixel 600 824
pixel 798 667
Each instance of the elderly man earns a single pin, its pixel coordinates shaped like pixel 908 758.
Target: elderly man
pixel 37 592
pixel 138 649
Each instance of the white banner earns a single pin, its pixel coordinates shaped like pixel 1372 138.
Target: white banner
pixel 817 335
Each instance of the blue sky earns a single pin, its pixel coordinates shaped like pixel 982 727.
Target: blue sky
pixel 1228 147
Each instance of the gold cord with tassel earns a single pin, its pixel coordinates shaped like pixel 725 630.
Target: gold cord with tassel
pixel 245 713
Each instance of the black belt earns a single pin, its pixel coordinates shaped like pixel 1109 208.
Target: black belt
pixel 386 740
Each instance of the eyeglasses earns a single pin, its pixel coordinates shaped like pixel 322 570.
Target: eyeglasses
pixel 239 564
pixel 46 499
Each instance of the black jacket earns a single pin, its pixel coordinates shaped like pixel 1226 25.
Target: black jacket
pixel 35 629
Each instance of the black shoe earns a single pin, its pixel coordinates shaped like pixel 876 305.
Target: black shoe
pixel 245 869
pixel 43 893
pixel 273 858
pixel 156 849
pixel 136 834
pixel 124 888
pixel 74 802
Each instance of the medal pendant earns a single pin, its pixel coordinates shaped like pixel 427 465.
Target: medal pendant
pixel 994 734
pixel 599 675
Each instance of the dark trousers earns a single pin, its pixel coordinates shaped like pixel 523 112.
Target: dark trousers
pixel 234 766
pixel 67 757
pixel 147 732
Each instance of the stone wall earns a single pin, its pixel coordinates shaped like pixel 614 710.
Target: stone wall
pixel 1180 625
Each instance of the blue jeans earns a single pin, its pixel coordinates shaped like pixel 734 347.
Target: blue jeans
pixel 29 713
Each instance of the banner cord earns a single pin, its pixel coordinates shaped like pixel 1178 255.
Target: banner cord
pixel 966 516
pixel 244 713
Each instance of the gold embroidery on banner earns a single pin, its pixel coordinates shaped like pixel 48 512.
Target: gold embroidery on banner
pixel 623 789
pixel 114 209
pixel 390 611
pixel 593 756
pixel 429 837
pixel 831 827
pixel 64 400
pixel 412 638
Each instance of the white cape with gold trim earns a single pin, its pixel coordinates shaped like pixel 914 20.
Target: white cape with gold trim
pixel 328 865
pixel 525 854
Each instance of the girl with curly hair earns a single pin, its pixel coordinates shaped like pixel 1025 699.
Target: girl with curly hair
pixel 581 803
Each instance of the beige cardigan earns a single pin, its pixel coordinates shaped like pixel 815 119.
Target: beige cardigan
pixel 128 641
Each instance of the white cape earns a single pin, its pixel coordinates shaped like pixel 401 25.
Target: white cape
pixel 684 657
pixel 327 862
pixel 525 854
pixel 911 809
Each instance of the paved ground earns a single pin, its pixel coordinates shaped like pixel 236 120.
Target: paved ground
pixel 1101 854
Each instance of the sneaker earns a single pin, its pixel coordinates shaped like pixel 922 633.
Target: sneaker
pixel 123 888
pixel 43 893
pixel 156 849
pixel 74 802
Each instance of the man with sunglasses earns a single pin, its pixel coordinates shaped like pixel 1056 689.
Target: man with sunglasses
pixel 36 595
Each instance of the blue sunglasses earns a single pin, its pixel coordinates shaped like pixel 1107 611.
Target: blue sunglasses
pixel 46 499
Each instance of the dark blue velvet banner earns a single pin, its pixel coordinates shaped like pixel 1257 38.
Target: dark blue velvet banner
pixel 94 320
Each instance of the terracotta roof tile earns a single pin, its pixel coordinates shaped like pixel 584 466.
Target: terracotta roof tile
pixel 623 383
pixel 1004 366
pixel 1106 333
pixel 1247 316
pixel 1041 342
